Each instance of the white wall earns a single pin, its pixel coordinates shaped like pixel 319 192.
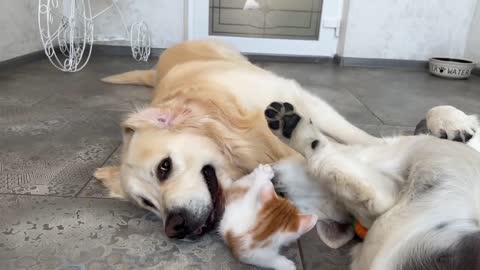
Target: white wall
pixel 165 18
pixel 20 34
pixel 394 29
pixel 18 28
pixel 406 29
pixel 473 42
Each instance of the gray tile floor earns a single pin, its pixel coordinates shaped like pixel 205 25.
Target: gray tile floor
pixel 55 128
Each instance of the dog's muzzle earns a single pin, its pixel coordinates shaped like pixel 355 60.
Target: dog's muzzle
pixel 181 224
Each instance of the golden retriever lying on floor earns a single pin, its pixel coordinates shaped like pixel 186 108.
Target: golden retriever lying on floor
pixel 206 124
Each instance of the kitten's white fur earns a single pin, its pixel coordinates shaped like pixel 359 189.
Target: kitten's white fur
pixel 242 214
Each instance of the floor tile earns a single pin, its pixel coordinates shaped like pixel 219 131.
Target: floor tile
pixel 54 151
pixel 387 98
pixel 386 130
pixel 40 232
pixel 307 73
pixel 403 98
pixel 316 255
pixel 396 97
pixel 345 103
pixel 94 189
pixel 56 128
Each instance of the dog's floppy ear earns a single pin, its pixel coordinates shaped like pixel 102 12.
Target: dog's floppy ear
pixel 110 178
pixel 333 233
pixel 151 117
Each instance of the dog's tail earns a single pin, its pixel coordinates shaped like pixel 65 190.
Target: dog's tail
pixel 135 77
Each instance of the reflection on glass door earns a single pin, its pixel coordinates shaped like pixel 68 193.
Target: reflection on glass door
pixel 280 19
pixel 280 27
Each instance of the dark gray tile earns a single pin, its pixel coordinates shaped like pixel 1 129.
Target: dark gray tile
pixel 307 73
pixel 403 97
pixel 345 103
pixel 99 64
pixel 94 189
pixel 56 128
pixel 324 80
pixel 387 131
pixel 54 151
pixel 52 147
pixel 35 82
pixel 39 232
pixel 397 97
pixel 25 89
pixel 316 255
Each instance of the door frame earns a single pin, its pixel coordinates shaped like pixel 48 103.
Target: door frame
pixel 326 45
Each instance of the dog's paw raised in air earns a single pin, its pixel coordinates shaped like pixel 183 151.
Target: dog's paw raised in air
pixel 447 122
pixel 292 129
pixel 282 119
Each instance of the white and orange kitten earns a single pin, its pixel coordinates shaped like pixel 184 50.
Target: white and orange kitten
pixel 256 222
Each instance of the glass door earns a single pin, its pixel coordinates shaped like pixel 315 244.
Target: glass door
pixel 278 27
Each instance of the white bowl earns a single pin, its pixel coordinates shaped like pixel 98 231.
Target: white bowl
pixel 451 68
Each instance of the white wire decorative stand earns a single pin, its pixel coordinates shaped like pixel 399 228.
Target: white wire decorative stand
pixel 66 30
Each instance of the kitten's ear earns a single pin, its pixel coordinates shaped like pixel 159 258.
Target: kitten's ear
pixel 334 234
pixel 267 192
pixel 307 222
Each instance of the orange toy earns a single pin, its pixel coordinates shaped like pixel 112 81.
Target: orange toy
pixel 360 230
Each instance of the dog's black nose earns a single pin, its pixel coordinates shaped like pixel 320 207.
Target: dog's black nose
pixel 175 226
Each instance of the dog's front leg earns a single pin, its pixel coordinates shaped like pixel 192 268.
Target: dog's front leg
pixel 365 191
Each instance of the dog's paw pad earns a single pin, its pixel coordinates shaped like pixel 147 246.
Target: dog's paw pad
pixel 282 116
pixel 274 124
pixel 277 106
pixel 468 135
pixel 314 144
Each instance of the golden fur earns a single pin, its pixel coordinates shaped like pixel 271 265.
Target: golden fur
pixel 241 134
pixel 206 112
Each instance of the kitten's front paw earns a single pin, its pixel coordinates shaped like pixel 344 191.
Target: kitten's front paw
pixel 285 264
pixel 264 171
pixel 447 122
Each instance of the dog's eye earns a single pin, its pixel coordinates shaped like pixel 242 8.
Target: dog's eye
pixel 147 202
pixel 164 168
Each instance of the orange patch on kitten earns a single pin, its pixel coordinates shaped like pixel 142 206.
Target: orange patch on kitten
pixel 233 242
pixel 277 214
pixel 256 222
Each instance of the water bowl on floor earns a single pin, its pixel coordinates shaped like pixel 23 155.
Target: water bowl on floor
pixel 451 68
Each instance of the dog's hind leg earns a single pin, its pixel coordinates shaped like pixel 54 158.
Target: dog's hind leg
pixel 447 122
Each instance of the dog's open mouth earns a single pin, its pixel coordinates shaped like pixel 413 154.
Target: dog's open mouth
pixel 215 190
pixel 210 224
